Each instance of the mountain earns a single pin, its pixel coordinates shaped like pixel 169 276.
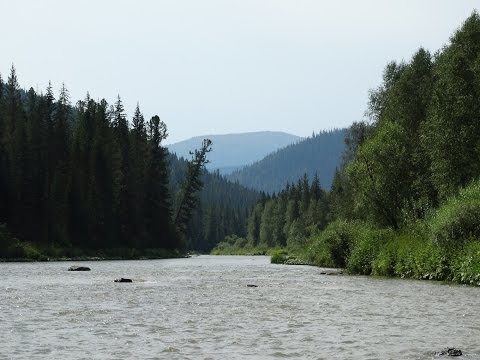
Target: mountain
pixel 320 154
pixel 233 151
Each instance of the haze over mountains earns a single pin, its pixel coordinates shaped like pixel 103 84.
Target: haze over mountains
pixel 267 161
pixel 233 151
pixel 319 154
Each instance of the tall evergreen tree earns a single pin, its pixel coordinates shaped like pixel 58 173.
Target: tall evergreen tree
pixel 139 158
pixel 121 173
pixel 158 210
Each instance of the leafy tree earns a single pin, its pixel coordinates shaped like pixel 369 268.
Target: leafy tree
pixel 452 134
pixel 380 163
pixel 267 226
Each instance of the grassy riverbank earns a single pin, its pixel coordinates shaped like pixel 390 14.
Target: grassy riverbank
pixel 443 246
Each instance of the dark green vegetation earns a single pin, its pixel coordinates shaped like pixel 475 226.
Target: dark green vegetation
pixel 233 151
pixel 79 180
pixel 406 199
pixel 320 153
pixel 284 219
pixel 222 207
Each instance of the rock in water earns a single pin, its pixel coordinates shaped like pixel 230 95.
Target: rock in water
pixel 450 352
pixel 123 280
pixel 454 352
pixel 78 268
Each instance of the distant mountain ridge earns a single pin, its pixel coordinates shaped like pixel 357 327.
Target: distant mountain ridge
pixel 319 154
pixel 233 151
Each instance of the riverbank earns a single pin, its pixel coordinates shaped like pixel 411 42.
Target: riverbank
pixel 361 249
pixel 13 249
pixel 443 246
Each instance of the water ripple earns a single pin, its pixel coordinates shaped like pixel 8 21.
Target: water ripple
pixel 201 308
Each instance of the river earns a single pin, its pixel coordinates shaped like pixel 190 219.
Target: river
pixel 202 308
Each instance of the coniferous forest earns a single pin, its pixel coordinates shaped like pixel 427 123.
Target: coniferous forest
pixel 81 177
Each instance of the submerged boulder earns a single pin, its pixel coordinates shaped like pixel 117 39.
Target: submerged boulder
pixel 78 268
pixel 124 280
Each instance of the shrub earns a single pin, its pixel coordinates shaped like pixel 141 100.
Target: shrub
pixel 331 247
pixel 458 219
pixel 411 253
pixel 466 265
pixel 367 246
pixel 279 256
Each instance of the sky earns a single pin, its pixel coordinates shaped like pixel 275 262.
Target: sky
pixel 223 66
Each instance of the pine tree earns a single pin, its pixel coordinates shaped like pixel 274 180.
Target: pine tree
pixel 121 174
pixel 158 210
pixel 138 159
pixel 3 158
pixel 191 185
pixel 59 183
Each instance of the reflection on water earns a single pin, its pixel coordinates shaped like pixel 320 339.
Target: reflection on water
pixel 201 308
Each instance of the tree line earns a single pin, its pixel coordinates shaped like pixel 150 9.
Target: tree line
pixel 283 219
pixel 81 176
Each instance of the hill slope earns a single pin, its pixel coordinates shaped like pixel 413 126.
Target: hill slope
pixel 232 151
pixel 320 154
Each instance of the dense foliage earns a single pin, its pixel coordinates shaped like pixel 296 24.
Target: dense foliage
pixel 317 155
pixel 283 219
pixel 405 200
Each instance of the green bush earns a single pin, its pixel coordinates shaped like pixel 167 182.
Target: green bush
pixel 279 256
pixel 331 247
pixel 412 253
pixel 458 219
pixel 466 265
pixel 367 246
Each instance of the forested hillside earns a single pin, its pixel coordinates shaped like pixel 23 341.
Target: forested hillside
pixel 319 154
pixel 222 209
pixel 406 199
pixel 233 151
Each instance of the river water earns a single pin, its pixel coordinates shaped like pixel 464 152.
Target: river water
pixel 202 308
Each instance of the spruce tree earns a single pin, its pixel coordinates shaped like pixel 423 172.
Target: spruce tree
pixel 158 210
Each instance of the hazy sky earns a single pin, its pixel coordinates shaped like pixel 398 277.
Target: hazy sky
pixel 212 67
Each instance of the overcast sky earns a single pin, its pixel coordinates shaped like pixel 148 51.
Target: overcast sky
pixel 215 67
